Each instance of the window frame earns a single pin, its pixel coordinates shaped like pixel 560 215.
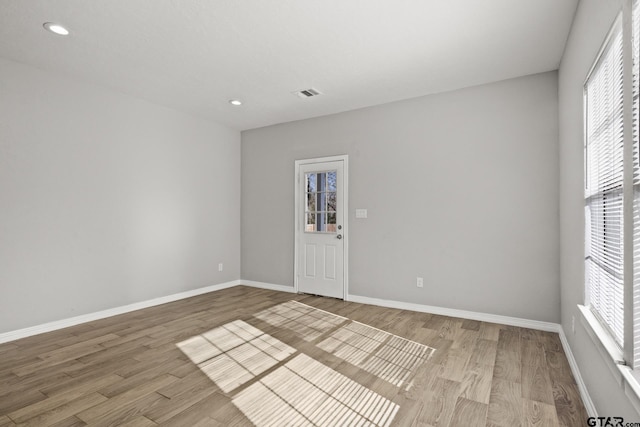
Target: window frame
pixel 617 29
pixel 622 357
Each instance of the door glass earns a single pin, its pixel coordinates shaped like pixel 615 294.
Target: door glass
pixel 320 206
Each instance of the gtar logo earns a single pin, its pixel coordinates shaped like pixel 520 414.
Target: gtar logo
pixel 605 421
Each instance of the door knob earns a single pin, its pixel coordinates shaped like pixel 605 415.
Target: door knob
pixel 339 236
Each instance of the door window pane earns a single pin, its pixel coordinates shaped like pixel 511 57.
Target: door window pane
pixel 331 181
pixel 311 182
pixel 321 221
pixel 310 224
pixel 311 202
pixel 321 202
pixel 331 202
pixel 331 222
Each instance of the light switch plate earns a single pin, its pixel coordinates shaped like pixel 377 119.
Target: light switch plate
pixel 361 213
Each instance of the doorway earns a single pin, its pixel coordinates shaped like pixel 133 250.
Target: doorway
pixel 321 232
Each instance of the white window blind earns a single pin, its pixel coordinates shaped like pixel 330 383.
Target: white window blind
pixel 603 188
pixel 635 48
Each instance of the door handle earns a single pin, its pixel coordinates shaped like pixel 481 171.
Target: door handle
pixel 339 236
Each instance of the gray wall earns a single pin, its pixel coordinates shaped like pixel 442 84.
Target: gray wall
pixel 591 24
pixel 107 200
pixel 461 188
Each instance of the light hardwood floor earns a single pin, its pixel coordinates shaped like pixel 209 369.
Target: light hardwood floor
pixel 242 356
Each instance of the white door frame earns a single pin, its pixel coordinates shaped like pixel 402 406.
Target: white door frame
pixel 345 234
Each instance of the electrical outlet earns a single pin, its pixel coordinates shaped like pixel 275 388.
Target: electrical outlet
pixel 573 324
pixel 420 282
pixel 220 267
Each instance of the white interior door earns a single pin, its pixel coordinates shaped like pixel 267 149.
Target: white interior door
pixel 321 228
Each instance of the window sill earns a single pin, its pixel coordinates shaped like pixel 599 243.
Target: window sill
pixel 626 377
pixel 631 385
pixel 600 336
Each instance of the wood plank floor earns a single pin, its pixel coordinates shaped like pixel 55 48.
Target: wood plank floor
pixel 245 356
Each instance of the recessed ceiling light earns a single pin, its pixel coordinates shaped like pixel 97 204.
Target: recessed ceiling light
pixel 235 102
pixel 56 28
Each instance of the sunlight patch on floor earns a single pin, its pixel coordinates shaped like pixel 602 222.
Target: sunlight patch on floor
pixel 306 321
pixel 235 353
pixel 300 390
pixel 306 392
pixel 389 357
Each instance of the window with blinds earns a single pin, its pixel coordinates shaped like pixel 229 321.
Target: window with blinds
pixel 635 48
pixel 604 144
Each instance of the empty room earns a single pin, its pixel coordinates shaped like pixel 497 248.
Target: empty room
pixel 319 213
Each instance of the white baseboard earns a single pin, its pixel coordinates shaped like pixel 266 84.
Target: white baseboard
pixel 464 314
pixel 270 286
pixel 72 321
pixel 584 393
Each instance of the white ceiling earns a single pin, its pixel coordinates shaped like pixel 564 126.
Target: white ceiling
pixel 195 55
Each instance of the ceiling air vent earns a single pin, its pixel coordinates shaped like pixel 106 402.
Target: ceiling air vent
pixel 307 93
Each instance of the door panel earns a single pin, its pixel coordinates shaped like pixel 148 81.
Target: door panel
pixel 310 261
pixel 330 262
pixel 321 231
